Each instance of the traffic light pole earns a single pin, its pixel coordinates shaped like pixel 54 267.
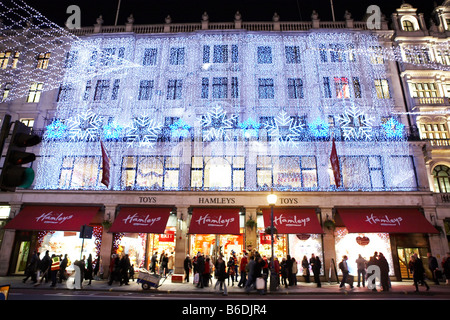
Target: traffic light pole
pixel 6 126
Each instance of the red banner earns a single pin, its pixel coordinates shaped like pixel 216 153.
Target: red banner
pixel 169 236
pixel 53 218
pixel 106 166
pixel 293 221
pixel 141 220
pixel 334 159
pixel 389 220
pixel 215 221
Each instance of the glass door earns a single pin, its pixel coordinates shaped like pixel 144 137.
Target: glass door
pixel 24 250
pixel 404 256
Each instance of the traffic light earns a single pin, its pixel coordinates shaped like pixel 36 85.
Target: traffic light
pixel 13 174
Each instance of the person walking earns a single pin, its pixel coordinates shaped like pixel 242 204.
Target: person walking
pixel 418 273
pixel 124 269
pixel 283 272
pixel 54 269
pixel 231 271
pixel 153 262
pixel 187 264
pixel 372 262
pixel 316 265
pixel 242 267
pixel 434 267
pixel 200 269
pixel 294 271
pixel 89 269
pixel 305 267
pixel 250 274
pixel 62 269
pixel 32 268
pixel 361 264
pixel 446 267
pixel 384 272
pixel 221 275
pixel 45 266
pixel 289 270
pixel 345 272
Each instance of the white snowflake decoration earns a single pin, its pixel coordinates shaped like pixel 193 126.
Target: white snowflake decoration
pixel 285 129
pixel 215 123
pixel 85 126
pixel 143 132
pixel 355 124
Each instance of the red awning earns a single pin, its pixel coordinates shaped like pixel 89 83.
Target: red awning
pixel 293 221
pixel 215 221
pixel 52 218
pixel 141 220
pixel 388 220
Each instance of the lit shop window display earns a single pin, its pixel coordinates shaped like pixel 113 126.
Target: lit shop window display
pixel 70 243
pixel 132 244
pixel 227 244
pixel 353 244
pixel 301 245
pixel 161 243
pixel 279 244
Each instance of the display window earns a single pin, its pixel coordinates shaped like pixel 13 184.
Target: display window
pixel 134 245
pixel 280 247
pixel 304 245
pixel 162 243
pixel 353 244
pixel 68 242
pixel 206 244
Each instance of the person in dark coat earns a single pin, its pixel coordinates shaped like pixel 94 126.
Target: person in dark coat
pixel 200 269
pixel 124 269
pixel 418 273
pixel 62 269
pixel 316 265
pixel 221 275
pixel 32 268
pixel 89 269
pixel 446 267
pixel 305 266
pixel 45 266
pixel 289 263
pixel 433 266
pixel 187 267
pixel 384 272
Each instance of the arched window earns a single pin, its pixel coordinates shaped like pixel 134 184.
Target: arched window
pixel 441 177
pixel 218 174
pixel 408 25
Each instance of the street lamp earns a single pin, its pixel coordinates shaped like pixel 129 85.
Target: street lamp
pixel 272 200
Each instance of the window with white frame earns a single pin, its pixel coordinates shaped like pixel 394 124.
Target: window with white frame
pixel 101 90
pixel 176 56
pixel 43 60
pixel 264 55
pixel 433 131
pixel 149 58
pixel 145 90
pixel 382 88
pixel 266 88
pixel 80 172
pixel 35 91
pixel 218 173
pixel 174 88
pixel 424 90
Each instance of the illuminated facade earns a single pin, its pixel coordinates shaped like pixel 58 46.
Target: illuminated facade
pixel 217 115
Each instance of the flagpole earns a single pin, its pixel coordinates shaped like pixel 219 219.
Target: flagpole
pixel 117 13
pixel 332 10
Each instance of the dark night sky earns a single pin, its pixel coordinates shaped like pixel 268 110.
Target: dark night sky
pixel 154 11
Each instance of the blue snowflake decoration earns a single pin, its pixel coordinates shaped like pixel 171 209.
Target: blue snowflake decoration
pixel 319 128
pixel 57 130
pixel 249 128
pixel 179 129
pixel 144 132
pixel 112 131
pixel 393 129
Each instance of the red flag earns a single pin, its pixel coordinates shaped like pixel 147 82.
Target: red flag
pixel 335 165
pixel 106 167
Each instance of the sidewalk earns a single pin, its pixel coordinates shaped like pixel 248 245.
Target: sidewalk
pixel 404 287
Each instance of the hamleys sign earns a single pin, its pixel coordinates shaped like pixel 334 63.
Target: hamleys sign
pixel 383 220
pixel 215 221
pixel 53 217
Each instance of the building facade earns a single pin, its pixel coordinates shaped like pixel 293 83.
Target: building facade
pixel 202 121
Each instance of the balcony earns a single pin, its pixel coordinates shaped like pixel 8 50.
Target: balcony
pixel 445 143
pixel 431 101
pixel 442 198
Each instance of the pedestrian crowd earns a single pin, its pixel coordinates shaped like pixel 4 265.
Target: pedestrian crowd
pixel 54 268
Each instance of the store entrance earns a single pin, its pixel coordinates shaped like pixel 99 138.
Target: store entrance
pixel 213 244
pixel 404 256
pixel 24 251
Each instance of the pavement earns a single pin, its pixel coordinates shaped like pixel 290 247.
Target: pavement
pixel 167 286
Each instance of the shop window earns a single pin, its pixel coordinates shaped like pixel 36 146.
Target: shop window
pixel 289 172
pixel 348 244
pixel 304 245
pixel 148 172
pixel 80 173
pixel 218 173
pixel 441 178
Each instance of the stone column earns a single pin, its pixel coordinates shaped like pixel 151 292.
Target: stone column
pixel 107 238
pixel 8 242
pixel 437 246
pixel 181 243
pixel 329 251
pixel 250 233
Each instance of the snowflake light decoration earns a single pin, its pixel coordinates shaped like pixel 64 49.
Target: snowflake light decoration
pixel 319 128
pixel 285 129
pixel 112 131
pixel 215 123
pixel 249 128
pixel 355 124
pixel 57 130
pixel 143 132
pixel 179 129
pixel 393 129
pixel 85 126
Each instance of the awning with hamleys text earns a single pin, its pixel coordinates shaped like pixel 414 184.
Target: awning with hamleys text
pixel 215 221
pixel 53 218
pixel 141 220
